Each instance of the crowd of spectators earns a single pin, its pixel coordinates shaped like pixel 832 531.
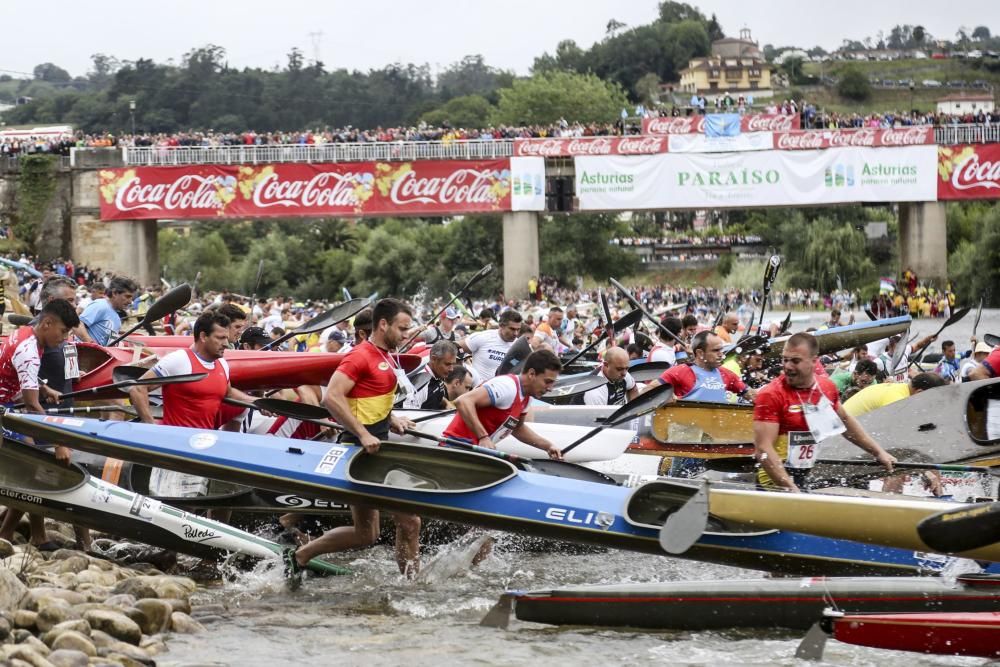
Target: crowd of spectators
pixel 812 118
pixel 688 240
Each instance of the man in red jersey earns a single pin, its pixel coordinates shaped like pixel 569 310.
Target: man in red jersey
pixel 705 379
pixel 20 359
pixel 494 409
pixel 360 397
pixel 794 413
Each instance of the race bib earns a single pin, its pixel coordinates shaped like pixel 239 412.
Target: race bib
pixel 803 450
pixel 823 420
pixel 404 388
pixel 71 362
pixel 505 429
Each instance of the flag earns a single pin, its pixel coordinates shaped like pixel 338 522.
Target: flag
pixel 722 125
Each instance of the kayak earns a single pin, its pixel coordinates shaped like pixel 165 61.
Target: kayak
pixel 248 369
pixel 851 335
pixel 741 603
pixel 461 486
pixel 969 633
pixel 887 521
pixel 32 481
pixel 949 424
pixel 607 444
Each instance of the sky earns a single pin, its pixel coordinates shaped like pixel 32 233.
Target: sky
pixel 366 35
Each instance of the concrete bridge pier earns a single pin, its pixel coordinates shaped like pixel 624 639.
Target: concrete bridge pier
pixel 923 240
pixel 520 252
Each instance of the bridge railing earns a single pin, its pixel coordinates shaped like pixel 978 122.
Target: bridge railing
pixel 977 133
pixel 333 152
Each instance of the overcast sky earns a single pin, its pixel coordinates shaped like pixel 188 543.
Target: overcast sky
pixel 364 35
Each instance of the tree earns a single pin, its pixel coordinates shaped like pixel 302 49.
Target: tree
pixel 472 76
pixel 675 12
pixel 647 89
pixel 578 245
pixel 51 73
pixel 792 67
pixel 465 111
pixel 546 97
pixel 103 69
pixel 853 84
pixel 919 35
pixel 981 33
pixel 613 27
pixel 971 267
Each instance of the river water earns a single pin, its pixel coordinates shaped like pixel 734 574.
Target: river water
pixel 373 617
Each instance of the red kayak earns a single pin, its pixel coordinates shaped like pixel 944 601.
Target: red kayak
pixel 969 633
pixel 248 369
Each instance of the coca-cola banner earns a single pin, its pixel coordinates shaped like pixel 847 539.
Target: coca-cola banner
pixel 696 124
pixel 918 135
pixel 573 146
pixel 344 189
pixel 757 178
pixel 969 171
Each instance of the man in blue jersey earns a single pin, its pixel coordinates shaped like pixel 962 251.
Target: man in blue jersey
pixel 100 318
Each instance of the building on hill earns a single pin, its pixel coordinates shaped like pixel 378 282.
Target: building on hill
pixel 962 103
pixel 736 66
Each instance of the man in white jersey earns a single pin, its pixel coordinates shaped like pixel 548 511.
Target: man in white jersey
pixel 621 385
pixel 488 348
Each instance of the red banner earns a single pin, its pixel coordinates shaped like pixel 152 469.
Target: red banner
pixel 865 137
pixel 427 187
pixel 573 146
pixel 969 171
pixel 696 124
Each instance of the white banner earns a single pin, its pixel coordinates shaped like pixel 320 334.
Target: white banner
pixel 761 178
pixel 527 175
pixel 702 143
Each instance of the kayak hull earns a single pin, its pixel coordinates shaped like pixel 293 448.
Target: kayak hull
pixel 31 481
pixel 464 487
pixel 941 633
pixel 756 603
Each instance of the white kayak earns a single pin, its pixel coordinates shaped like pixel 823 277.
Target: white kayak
pixel 606 445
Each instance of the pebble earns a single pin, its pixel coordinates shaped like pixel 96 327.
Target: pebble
pixel 28 655
pixel 56 611
pixel 115 623
pixel 6 549
pixel 68 658
pixel 79 625
pixel 12 590
pixel 74 641
pixel 184 624
pixel 157 615
pixel 25 619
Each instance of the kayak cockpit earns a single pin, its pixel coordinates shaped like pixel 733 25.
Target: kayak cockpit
pixel 982 414
pixel 650 505
pixel 26 469
pixel 432 469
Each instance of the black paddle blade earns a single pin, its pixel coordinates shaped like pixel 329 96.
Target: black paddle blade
pixel 771 272
pixel 731 464
pixel 19 320
pixel 127 373
pixel 990 339
pixel 322 321
pixel 979 315
pixel 963 529
pixel 132 376
pixel 748 343
pixel 605 307
pixel 959 314
pixel 648 371
pixel 785 324
pixel 173 300
pixel 569 386
pixel 293 409
pixel 642 404
pixel 480 274
pixel 627 321
pixel 563 469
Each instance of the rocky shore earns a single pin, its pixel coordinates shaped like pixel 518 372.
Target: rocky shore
pixel 67 608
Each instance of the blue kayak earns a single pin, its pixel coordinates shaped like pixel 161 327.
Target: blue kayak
pixel 465 487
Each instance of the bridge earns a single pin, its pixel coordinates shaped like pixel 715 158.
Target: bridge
pixel 77 225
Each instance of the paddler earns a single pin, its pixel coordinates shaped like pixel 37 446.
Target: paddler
pixel 794 413
pixel 666 349
pixel 434 394
pixel 101 319
pixel 445 330
pixel 488 348
pixel 360 397
pixel 880 395
pixel 727 330
pixel 494 410
pixel 621 386
pixel 20 360
pixel 550 333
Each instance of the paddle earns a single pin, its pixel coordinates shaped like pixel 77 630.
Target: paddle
pixel 133 382
pixel 173 300
pixel 640 405
pixel 616 327
pixel 955 317
pixel 316 414
pixel 19 320
pixel 748 464
pixel 897 354
pixel 963 529
pixel 541 466
pixel 323 320
pixel 990 339
pixel 979 315
pixel 770 274
pixel 638 306
pixel 684 526
pixel 786 324
pixel 479 275
pixel 253 294
pixel 719 317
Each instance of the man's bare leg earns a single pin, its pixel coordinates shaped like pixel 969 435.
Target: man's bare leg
pixel 407 543
pixel 363 533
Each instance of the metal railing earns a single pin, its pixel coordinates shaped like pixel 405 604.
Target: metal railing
pixel 975 133
pixel 12 163
pixel 333 152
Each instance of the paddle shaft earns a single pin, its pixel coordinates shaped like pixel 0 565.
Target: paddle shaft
pixel 770 273
pixel 635 304
pixel 253 294
pixel 272 407
pixel 947 323
pixel 461 444
pixel 192 377
pixel 748 463
pixel 482 273
pixel 173 300
pixel 327 319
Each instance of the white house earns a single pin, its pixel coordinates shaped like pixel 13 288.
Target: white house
pixel 960 103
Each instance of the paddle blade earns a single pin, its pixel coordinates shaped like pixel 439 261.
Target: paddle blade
pixel 293 409
pixel 732 464
pixel 642 404
pixel 979 315
pixel 771 271
pixel 648 371
pixel 127 373
pixel 173 300
pixel 897 354
pixel 19 320
pixel 480 274
pixel 963 529
pixel 959 314
pixel 990 339
pixel 686 525
pixel 499 614
pixel 572 385
pixel 813 644
pixel 627 321
pixel 132 376
pixel 324 320
pixel 605 307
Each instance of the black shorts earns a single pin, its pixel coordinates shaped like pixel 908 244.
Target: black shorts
pixel 379 429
